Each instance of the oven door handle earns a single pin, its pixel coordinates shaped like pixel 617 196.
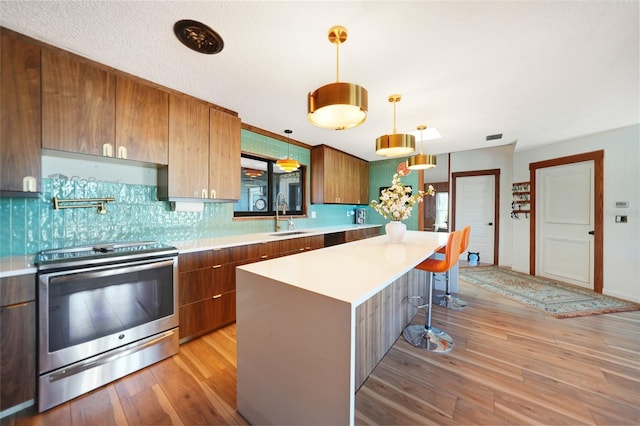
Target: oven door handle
pixel 111 356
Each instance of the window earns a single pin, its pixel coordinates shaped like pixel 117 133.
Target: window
pixel 442 211
pixel 261 180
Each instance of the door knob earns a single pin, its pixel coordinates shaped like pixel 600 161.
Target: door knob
pixel 592 232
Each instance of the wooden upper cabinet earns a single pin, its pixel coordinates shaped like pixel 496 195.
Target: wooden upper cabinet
pixel 337 177
pixel 78 105
pixel 363 169
pixel 224 155
pixel 20 111
pixel 87 109
pixel 187 175
pixel 142 122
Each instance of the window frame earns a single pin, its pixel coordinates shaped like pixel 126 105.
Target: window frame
pixel 270 212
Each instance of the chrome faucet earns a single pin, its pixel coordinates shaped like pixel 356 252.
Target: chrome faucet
pixel 284 208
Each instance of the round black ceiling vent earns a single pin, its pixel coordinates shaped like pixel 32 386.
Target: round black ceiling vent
pixel 197 36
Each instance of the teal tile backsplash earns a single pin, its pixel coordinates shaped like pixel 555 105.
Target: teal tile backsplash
pixel 380 175
pixel 28 225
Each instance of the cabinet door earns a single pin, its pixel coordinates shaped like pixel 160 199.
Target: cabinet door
pixel 351 186
pixel 17 354
pixel 20 110
pixel 363 169
pixel 333 173
pixel 78 105
pixel 142 122
pixel 188 169
pixel 224 151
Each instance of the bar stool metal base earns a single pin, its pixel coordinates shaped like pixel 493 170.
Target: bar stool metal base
pixel 432 340
pixel 451 302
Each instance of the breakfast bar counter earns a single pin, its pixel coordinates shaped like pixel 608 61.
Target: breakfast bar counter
pixel 311 327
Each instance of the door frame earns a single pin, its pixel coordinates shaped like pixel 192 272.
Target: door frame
pixel 439 187
pixel 496 207
pixel 598 195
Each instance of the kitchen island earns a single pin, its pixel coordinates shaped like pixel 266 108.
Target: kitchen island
pixel 311 327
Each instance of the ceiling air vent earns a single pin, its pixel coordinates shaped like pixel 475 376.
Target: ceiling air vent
pixel 197 36
pixel 494 137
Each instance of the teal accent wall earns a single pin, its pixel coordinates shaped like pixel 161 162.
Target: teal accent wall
pixel 30 225
pixel 380 175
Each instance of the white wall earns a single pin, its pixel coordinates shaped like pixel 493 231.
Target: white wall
pixel 440 173
pixel 500 157
pixel 621 183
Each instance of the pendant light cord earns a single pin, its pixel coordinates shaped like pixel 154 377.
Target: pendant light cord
pixel 421 128
pixel 337 62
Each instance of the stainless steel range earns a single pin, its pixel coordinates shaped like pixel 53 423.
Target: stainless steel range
pixel 103 312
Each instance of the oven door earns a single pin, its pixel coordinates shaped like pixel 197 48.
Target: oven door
pixel 88 311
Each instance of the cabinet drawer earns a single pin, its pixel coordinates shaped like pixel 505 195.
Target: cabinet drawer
pixel 203 259
pixel 292 245
pixel 205 283
pixel 207 315
pixel 298 245
pixel 263 251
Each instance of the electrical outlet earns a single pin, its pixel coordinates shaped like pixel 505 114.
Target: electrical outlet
pixel 621 219
pixel 313 215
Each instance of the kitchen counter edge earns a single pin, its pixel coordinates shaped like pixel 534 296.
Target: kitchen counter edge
pixel 23 265
pixel 213 243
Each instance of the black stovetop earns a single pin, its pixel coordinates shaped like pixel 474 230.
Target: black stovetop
pixel 101 253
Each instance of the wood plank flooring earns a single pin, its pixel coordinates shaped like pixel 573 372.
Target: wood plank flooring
pixel 511 365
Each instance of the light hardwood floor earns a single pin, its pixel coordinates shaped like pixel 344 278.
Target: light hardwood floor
pixel 511 365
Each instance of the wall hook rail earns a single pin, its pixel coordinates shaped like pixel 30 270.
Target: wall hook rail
pixel 82 203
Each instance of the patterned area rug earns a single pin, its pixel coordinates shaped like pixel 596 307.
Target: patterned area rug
pixel 555 298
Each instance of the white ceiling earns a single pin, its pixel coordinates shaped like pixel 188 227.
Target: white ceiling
pixel 536 71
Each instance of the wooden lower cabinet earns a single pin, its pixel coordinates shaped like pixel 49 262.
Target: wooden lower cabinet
pixel 298 245
pixel 360 234
pixel 207 279
pixel 17 341
pixel 206 290
pixel 206 315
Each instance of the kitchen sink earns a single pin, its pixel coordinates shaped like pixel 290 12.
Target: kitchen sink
pixel 287 233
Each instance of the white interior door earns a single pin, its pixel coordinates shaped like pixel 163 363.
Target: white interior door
pixel 475 206
pixel 565 216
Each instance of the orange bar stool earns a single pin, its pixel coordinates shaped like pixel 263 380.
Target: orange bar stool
pixel 448 301
pixel 425 336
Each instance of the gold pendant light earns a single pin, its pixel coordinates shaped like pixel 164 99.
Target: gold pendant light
pixel 288 164
pixel 337 105
pixel 421 161
pixel 396 144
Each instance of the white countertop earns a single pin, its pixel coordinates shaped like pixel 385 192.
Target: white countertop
pixel 21 265
pixel 243 239
pixel 17 265
pixel 351 272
